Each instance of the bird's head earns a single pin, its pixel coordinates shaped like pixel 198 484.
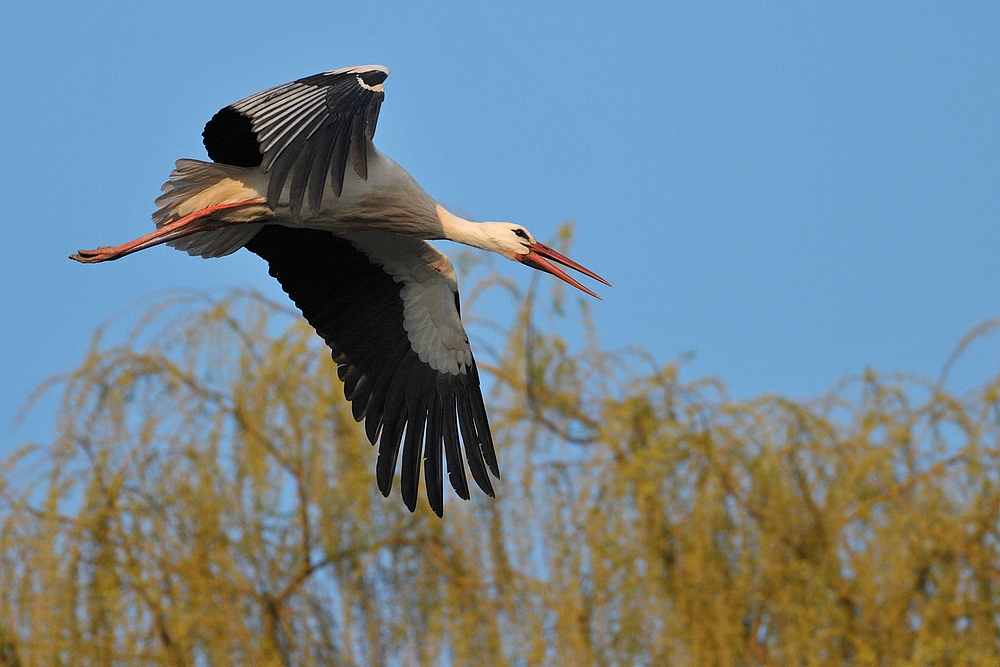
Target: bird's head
pixel 517 243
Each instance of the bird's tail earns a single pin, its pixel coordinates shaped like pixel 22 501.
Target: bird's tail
pixel 194 186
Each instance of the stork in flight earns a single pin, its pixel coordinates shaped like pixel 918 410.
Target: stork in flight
pixel 349 248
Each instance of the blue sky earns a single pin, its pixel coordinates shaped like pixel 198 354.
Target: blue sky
pixel 792 191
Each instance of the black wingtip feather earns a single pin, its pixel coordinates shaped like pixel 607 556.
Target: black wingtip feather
pixel 388 451
pixel 373 77
pixel 473 452
pixel 432 457
pixel 409 474
pixel 356 307
pixel 373 428
pixel 482 423
pixel 279 170
pixel 453 449
pixel 376 403
pixel 395 414
pixel 338 161
pixel 229 138
pixel 359 147
pixel 301 171
pixel 318 170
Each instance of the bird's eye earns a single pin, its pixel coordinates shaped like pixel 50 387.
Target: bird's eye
pixel 521 234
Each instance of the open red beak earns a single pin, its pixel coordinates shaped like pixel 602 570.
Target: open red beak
pixel 538 258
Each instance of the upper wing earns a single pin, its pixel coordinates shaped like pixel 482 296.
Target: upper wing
pixel 387 306
pixel 307 128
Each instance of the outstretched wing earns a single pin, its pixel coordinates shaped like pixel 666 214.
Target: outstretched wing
pixel 387 305
pixel 307 129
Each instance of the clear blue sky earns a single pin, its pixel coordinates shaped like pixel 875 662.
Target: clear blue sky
pixel 792 191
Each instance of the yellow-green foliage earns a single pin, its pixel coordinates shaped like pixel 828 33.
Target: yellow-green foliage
pixel 210 501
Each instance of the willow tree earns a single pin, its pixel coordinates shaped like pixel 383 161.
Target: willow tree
pixel 210 501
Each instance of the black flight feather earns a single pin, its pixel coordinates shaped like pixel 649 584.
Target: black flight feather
pixel 407 406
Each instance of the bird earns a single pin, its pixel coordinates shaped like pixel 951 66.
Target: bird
pixel 295 178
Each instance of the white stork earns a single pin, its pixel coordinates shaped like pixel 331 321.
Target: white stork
pixel 348 246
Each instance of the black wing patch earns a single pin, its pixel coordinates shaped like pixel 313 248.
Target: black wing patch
pixel 229 139
pixel 356 307
pixel 307 129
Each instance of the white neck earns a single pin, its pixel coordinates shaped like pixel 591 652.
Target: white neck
pixel 464 231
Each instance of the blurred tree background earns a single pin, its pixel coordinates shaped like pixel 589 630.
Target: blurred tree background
pixel 210 501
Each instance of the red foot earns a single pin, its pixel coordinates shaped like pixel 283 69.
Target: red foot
pixel 199 221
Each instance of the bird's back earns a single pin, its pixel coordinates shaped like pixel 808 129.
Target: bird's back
pixel 389 199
